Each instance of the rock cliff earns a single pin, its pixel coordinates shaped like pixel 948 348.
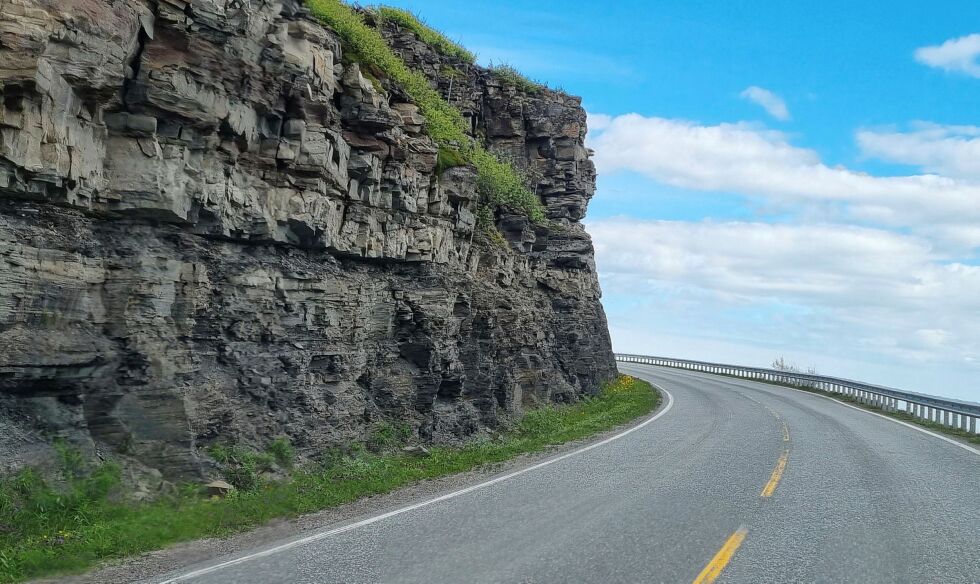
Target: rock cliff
pixel 214 227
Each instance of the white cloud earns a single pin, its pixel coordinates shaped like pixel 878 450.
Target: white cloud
pixel 769 101
pixel 890 298
pixel 819 288
pixel 959 55
pixel 753 161
pixel 598 122
pixel 834 263
pixel 950 150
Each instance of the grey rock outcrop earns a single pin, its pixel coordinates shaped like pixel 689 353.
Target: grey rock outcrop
pixel 213 229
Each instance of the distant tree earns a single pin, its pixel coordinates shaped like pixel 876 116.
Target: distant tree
pixel 780 364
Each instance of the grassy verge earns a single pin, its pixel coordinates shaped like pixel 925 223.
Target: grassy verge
pixel 46 530
pixel 957 432
pixel 499 182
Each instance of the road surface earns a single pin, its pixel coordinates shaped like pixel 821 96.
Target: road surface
pixel 739 481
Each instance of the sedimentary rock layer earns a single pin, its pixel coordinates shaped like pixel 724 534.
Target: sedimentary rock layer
pixel 215 228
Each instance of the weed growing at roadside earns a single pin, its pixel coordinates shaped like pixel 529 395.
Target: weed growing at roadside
pixel 283 453
pixel 387 436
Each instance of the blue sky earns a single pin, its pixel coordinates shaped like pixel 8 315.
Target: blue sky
pixel 776 178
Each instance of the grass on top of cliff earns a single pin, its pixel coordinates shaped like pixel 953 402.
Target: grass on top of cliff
pixel 425 33
pixel 48 530
pixel 499 182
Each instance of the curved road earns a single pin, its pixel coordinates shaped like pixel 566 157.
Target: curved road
pixel 851 497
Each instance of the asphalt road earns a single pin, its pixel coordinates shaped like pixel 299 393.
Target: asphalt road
pixel 852 497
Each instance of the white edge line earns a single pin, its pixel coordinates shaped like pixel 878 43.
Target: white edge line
pixel 383 516
pixel 915 427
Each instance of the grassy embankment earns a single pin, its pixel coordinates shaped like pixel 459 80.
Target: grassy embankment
pixel 47 529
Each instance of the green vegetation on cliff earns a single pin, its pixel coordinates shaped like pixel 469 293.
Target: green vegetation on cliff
pixel 426 34
pixel 512 76
pixel 47 529
pixel 499 183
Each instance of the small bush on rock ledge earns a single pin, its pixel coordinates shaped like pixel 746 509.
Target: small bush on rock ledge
pixel 512 76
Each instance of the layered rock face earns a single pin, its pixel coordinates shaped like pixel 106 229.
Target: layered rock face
pixel 213 228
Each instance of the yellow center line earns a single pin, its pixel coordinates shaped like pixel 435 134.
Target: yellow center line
pixel 711 572
pixel 780 419
pixel 777 474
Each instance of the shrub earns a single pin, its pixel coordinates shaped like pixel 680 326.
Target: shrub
pixel 387 436
pixel 426 34
pixel 512 76
pixel 241 467
pixel 449 158
pixel 499 183
pixel 282 451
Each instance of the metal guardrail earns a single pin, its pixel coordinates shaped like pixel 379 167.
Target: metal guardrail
pixel 948 412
